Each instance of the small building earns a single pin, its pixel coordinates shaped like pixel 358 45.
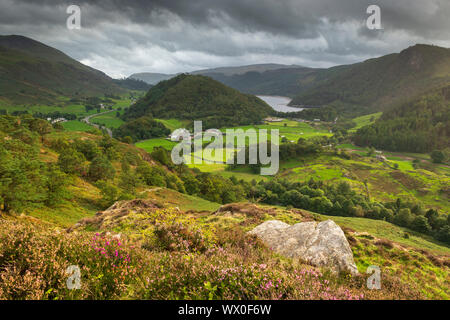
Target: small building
pixel 179 135
pixel 271 119
pixel 59 120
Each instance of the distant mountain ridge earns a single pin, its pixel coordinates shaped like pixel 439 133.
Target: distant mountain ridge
pixel 215 73
pixel 32 72
pixel 151 78
pixel 239 70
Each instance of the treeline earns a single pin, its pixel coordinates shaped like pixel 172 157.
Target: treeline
pixel 286 151
pixel 418 126
pixel 140 129
pixel 326 113
pixel 341 200
pixel 41 115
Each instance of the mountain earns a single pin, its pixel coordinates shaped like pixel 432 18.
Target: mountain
pixel 420 125
pixel 269 79
pixel 132 84
pixel 196 97
pixel 278 82
pixel 151 78
pixel 379 83
pixel 32 72
pixel 240 70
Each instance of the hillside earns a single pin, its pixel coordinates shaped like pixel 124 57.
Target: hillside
pixel 421 125
pixel 377 84
pixel 32 73
pixel 195 97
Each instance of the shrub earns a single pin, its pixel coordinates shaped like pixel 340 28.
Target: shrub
pixel 33 263
pixel 175 232
pixel 101 169
pixel 420 224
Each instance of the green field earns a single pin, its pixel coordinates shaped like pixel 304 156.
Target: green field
pixel 148 145
pixel 65 106
pixel 292 131
pixel 108 120
pixel 75 125
pixel 173 124
pixel 365 120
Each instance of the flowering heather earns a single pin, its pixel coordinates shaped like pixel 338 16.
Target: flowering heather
pixel 33 261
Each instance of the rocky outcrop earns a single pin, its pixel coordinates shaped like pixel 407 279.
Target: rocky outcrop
pixel 246 209
pixel 320 244
pixel 119 210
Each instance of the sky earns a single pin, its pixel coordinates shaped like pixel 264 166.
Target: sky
pixel 167 36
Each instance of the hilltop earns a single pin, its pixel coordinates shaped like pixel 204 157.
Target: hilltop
pixel 195 97
pixel 32 72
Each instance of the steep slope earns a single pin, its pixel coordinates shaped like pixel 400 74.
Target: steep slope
pixel 196 97
pixel 377 84
pixel 420 125
pixel 31 72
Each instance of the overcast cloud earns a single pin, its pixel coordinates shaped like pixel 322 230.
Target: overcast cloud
pixel 168 36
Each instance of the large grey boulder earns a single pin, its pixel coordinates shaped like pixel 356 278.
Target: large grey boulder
pixel 320 244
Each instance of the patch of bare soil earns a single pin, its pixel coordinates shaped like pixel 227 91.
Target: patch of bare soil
pixel 406 180
pixel 247 209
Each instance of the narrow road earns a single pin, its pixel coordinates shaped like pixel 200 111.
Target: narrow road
pixel 88 121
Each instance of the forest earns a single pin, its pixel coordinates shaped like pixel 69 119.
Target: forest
pixel 421 125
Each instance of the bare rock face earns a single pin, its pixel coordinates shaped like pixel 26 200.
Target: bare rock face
pixel 320 244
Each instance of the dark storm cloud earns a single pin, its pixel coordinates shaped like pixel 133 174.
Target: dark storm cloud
pixel 172 36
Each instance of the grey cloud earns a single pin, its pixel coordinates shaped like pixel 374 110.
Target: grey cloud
pixel 174 36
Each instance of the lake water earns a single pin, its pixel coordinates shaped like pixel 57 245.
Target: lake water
pixel 279 103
